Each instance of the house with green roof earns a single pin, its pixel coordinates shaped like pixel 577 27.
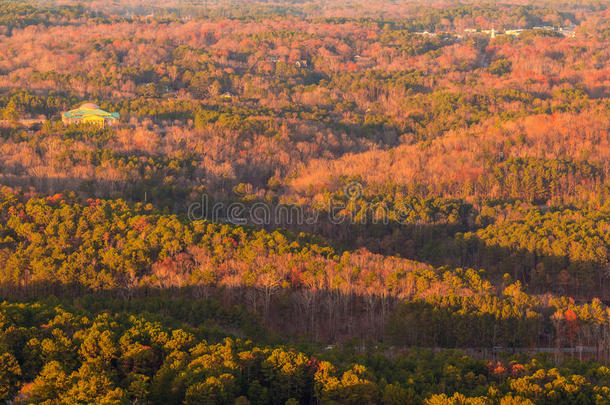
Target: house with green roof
pixel 89 113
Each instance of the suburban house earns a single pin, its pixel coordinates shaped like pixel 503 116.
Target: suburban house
pixel 89 113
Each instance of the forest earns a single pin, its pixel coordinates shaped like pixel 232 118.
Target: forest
pixel 305 202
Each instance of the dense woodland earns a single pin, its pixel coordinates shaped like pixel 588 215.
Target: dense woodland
pixel 458 182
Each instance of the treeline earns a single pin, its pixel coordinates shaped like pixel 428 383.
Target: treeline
pixel 561 250
pixel 298 284
pixel 72 354
pixel 510 321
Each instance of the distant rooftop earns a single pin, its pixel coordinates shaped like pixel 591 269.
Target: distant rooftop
pixel 89 112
